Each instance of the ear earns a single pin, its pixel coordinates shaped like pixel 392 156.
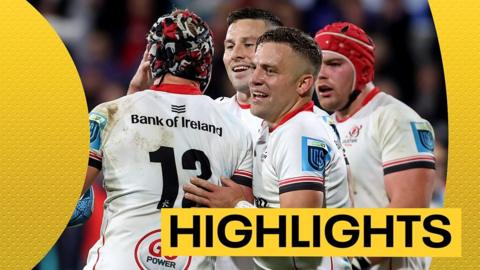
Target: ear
pixel 305 84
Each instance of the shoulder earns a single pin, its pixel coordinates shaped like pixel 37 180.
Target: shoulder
pixel 111 109
pixel 224 99
pixel 228 118
pixel 304 124
pixel 390 109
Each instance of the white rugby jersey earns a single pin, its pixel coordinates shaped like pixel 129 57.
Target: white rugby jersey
pixel 148 145
pixel 253 124
pixel 335 187
pixel 336 197
pixel 242 112
pixel 382 137
pixel 297 155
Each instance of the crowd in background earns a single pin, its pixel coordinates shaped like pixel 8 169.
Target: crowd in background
pixel 106 39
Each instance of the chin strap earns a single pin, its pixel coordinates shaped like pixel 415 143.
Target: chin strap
pixel 355 93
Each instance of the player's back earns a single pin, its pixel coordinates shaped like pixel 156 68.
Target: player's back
pixel 152 143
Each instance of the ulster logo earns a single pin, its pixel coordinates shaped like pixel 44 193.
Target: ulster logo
pixel 355 131
pixel 178 108
pixel 315 154
pixel 352 136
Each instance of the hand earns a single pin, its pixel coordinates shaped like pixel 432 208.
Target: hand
pixel 83 210
pixel 213 196
pixel 143 77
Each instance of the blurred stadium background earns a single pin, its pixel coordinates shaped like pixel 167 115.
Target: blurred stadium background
pixel 106 39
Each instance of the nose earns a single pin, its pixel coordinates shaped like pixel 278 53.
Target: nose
pixel 238 52
pixel 322 74
pixel 256 78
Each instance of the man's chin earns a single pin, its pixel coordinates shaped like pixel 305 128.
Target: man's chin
pixel 256 111
pixel 328 106
pixel 241 87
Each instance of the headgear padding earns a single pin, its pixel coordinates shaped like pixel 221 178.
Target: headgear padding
pixel 181 44
pixel 352 42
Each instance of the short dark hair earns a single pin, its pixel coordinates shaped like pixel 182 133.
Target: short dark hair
pixel 300 42
pixel 254 14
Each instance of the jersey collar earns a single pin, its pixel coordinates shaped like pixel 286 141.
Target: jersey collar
pixel 307 107
pixel 177 89
pixel 365 101
pixel 242 106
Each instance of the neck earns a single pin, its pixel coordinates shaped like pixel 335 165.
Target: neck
pixel 357 103
pixel 172 79
pixel 243 98
pixel 297 106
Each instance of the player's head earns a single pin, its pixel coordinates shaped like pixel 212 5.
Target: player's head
pixel 348 64
pixel 181 43
pixel 244 27
pixel 287 62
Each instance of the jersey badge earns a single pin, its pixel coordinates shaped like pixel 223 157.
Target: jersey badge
pixel 355 131
pixel 423 137
pixel 315 154
pixel 97 124
pixel 352 136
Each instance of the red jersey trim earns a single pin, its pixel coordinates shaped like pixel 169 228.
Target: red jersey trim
pixel 177 89
pixel 103 244
pixel 307 107
pixel 408 160
pixel 243 173
pixel 242 105
pixel 301 179
pixel 95 156
pixel 365 101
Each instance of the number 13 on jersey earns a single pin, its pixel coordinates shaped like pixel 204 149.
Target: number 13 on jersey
pixel 166 157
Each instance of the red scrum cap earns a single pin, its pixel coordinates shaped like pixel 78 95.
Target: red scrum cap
pixel 352 42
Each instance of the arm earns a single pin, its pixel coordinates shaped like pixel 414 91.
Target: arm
pixel 232 191
pixel 213 196
pixel 84 208
pixel 143 77
pixel 300 163
pixel 92 174
pixel 408 181
pixel 410 188
pixel 407 144
pixel 238 188
pixel 302 199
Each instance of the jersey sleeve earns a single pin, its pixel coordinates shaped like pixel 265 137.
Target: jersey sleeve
pixel 301 160
pixel 406 140
pixel 98 121
pixel 243 172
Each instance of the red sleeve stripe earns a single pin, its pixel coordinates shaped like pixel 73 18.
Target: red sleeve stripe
pixel 408 160
pixel 301 179
pixel 243 173
pixel 95 156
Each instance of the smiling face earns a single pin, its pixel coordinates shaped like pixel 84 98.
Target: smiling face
pixel 273 86
pixel 240 49
pixel 334 82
